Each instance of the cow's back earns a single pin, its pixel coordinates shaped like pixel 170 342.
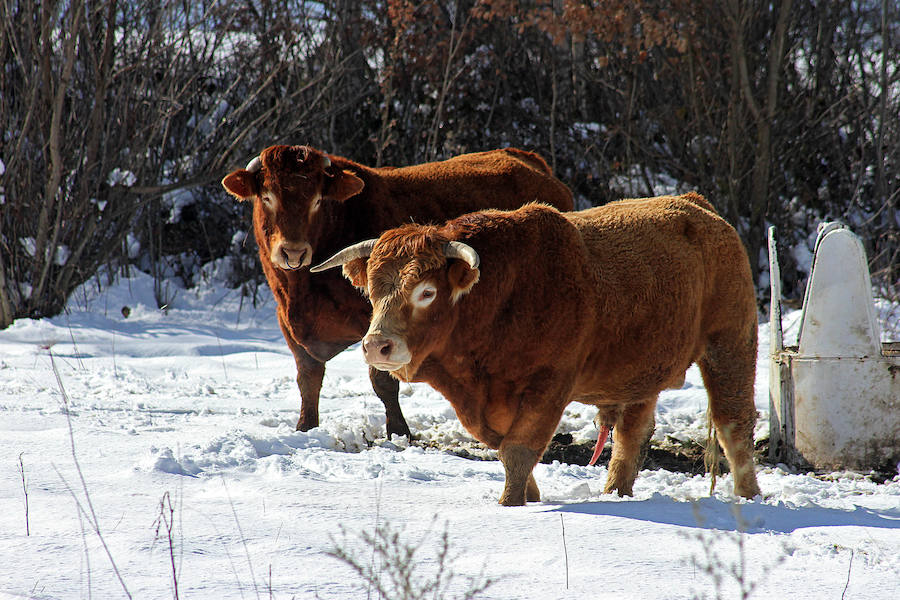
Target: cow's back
pixel 501 179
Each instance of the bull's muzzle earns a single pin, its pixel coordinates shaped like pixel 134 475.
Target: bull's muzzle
pixel 377 348
pixel 385 353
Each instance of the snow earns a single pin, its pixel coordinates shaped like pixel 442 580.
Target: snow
pixel 121 177
pixel 196 406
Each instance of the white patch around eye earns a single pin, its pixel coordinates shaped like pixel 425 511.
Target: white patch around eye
pixel 423 294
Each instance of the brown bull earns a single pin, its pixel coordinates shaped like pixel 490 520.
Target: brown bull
pixel 513 315
pixel 309 204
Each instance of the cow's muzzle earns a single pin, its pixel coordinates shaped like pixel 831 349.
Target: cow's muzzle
pixel 385 353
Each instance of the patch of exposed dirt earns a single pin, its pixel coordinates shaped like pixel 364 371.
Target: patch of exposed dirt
pixel 671 454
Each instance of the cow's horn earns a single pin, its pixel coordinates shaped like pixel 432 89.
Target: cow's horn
pixel 326 162
pixel 254 165
pixel 462 252
pixel 360 250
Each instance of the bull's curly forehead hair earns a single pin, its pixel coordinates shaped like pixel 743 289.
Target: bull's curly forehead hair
pixel 283 157
pixel 416 249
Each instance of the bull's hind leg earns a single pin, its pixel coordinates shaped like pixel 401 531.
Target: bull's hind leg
pixel 631 437
pixel 387 389
pixel 729 368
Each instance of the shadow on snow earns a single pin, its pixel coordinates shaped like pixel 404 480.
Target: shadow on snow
pixel 753 517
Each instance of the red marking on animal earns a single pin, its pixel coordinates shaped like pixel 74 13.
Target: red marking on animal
pixel 513 315
pixel 308 204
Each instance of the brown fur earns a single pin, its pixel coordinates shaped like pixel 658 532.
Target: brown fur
pixel 607 306
pixel 320 315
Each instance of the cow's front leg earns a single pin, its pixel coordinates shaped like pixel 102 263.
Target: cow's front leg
pixel 631 436
pixel 387 389
pixel 310 373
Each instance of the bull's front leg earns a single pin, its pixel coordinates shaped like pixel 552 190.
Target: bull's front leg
pixel 522 448
pixel 631 437
pixel 520 487
pixel 388 390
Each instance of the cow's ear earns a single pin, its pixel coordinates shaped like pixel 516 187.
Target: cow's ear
pixel 462 277
pixel 241 184
pixel 355 271
pixel 342 184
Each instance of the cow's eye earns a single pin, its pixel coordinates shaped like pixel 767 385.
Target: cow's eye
pixel 267 201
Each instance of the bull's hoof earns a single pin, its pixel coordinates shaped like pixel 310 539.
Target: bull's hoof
pixel 306 424
pixel 748 491
pixel 622 491
pixel 506 501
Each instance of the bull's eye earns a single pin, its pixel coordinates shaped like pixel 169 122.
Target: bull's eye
pixel 423 294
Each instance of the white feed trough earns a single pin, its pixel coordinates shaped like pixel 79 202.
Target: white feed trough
pixel 835 397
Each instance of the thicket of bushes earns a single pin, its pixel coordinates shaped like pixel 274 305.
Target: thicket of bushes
pixel 119 118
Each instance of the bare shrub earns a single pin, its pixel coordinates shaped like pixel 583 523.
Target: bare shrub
pixel 394 567
pixel 121 117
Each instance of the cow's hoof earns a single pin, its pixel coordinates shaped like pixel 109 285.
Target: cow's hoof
pixel 401 431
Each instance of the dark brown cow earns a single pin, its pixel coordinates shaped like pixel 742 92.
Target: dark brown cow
pixel 513 315
pixel 310 204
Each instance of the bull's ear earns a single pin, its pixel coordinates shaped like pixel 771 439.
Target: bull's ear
pixel 355 271
pixel 241 184
pixel 342 184
pixel 462 277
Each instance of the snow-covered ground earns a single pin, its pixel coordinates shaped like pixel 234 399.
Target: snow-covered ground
pixel 194 409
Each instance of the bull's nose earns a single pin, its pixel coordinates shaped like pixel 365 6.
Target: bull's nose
pixel 293 257
pixel 377 348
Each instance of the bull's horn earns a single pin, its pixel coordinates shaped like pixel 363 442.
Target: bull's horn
pixel 254 165
pixel 462 252
pixel 360 250
pixel 326 162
